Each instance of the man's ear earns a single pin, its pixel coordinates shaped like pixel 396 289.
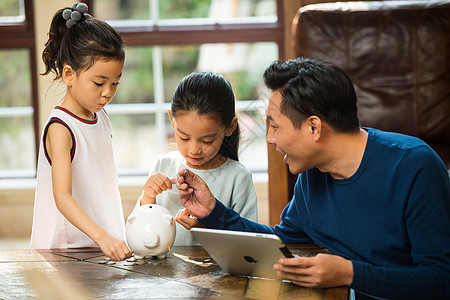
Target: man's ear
pixel 232 127
pixel 315 125
pixel 68 75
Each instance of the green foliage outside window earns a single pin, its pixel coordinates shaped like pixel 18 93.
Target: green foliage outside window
pixel 9 8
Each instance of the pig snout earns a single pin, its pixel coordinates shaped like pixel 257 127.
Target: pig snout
pixel 151 240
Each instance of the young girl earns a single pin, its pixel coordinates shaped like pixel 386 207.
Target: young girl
pixel 207 136
pixel 77 201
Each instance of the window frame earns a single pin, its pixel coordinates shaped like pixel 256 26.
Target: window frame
pixel 15 35
pixel 22 35
pixel 200 34
pixel 158 34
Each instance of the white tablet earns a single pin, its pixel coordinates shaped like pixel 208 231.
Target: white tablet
pixel 243 253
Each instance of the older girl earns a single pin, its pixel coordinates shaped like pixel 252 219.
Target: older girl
pixel 77 202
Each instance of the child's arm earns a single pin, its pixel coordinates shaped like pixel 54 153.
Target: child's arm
pixel 186 220
pixel 156 184
pixel 59 143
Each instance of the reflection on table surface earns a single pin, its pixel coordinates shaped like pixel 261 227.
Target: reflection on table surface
pixel 188 272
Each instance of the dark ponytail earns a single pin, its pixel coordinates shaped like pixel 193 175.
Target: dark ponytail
pixel 81 45
pixel 210 94
pixel 230 144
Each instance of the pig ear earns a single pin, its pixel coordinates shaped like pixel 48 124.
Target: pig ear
pixel 131 219
pixel 169 218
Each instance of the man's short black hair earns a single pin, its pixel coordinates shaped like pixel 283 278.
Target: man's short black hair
pixel 312 87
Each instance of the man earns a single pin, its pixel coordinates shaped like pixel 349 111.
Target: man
pixel 380 202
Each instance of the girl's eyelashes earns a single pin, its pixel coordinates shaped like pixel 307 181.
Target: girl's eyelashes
pixel 206 142
pixel 100 84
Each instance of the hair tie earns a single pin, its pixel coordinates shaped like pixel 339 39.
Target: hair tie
pixel 76 14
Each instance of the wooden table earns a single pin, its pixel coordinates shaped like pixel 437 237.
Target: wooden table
pixel 188 272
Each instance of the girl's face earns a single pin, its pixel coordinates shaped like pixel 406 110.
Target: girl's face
pixel 199 138
pixel 90 90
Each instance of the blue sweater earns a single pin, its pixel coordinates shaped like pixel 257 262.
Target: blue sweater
pixel 391 219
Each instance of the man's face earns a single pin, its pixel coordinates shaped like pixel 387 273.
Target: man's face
pixel 296 144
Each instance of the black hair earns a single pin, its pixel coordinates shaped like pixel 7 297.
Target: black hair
pixel 209 94
pixel 81 45
pixel 313 87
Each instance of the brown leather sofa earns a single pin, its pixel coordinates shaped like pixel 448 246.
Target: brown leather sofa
pixel 398 55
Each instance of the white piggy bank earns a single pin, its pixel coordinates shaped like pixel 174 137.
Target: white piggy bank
pixel 150 231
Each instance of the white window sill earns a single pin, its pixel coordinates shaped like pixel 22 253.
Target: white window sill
pixel 30 183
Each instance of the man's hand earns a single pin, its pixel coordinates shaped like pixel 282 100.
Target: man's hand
pixel 320 271
pixel 186 220
pixel 194 194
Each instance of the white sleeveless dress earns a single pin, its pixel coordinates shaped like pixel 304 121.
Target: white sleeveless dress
pixel 94 184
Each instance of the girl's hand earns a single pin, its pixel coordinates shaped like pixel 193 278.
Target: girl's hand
pixel 194 194
pixel 156 184
pixel 186 220
pixel 115 249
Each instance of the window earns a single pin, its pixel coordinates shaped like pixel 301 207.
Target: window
pixel 167 40
pixel 18 116
pixel 12 11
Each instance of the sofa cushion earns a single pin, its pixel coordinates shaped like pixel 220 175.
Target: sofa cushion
pixel 397 54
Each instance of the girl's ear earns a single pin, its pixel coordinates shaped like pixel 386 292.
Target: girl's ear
pixel 68 75
pixel 170 117
pixel 232 127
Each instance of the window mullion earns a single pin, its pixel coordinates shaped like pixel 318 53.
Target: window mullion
pixel 158 85
pixel 159 99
